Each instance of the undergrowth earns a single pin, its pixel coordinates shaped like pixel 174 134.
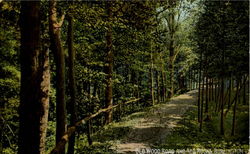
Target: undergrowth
pixel 188 136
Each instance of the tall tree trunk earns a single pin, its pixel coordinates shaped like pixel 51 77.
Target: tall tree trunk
pixel 230 91
pixel 56 47
pixel 35 82
pixel 191 80
pixel 89 126
pixel 215 91
pixel 45 86
pixel 196 78
pixel 109 68
pixel 133 81
pixel 158 86
pixel 202 99
pixel 2 124
pixel 138 82
pixel 209 90
pixel 207 97
pixel 218 96
pixel 222 131
pixel 181 81
pixel 163 79
pixel 222 108
pixel 234 111
pixel 152 77
pixel 95 90
pixel 72 84
pixel 222 94
pixel 171 54
pixel 90 110
pixel 212 89
pixel 240 92
pixel 171 68
pixel 199 93
pixel 244 93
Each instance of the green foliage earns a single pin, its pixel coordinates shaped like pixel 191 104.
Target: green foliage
pixel 9 76
pixel 229 41
pixel 188 136
pixel 50 139
pixel 139 29
pixel 97 147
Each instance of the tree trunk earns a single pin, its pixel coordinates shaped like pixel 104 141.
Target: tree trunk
pixel 45 86
pixel 138 82
pixel 181 81
pixel 152 77
pixel 191 80
pixel 240 92
pixel 202 99
pixel 244 93
pixel 89 132
pixel 230 91
pixel 222 108
pixel 207 97
pixel 133 81
pixel 56 47
pixel 171 68
pixel 35 82
pixel 199 93
pixel 163 79
pixel 222 94
pixel 212 89
pixel 234 111
pixel 218 105
pixel 215 92
pixel 171 54
pixel 72 84
pixel 215 95
pixel 196 76
pixel 109 68
pixel 158 86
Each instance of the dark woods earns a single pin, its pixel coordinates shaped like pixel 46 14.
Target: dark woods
pixel 68 69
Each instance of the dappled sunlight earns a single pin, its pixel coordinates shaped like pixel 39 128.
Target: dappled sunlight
pixel 152 127
pixel 114 76
pixel 130 147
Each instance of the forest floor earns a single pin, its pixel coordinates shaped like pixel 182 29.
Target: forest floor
pixel 168 126
pixel 152 127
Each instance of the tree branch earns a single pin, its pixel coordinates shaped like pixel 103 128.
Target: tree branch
pixel 72 129
pixel 61 21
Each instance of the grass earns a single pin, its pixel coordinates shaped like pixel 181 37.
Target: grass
pixel 104 139
pixel 115 132
pixel 185 136
pixel 188 136
pixel 95 148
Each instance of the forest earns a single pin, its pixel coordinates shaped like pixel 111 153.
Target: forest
pixel 124 76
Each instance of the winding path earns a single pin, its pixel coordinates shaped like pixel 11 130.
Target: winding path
pixel 152 127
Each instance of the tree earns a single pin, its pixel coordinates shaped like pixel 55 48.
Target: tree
pixel 172 19
pixel 56 47
pixel 109 67
pixel 224 50
pixel 35 82
pixel 10 74
pixel 72 83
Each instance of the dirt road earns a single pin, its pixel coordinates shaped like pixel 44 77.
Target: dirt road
pixel 152 127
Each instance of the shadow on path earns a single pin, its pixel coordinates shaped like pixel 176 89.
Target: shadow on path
pixel 151 128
